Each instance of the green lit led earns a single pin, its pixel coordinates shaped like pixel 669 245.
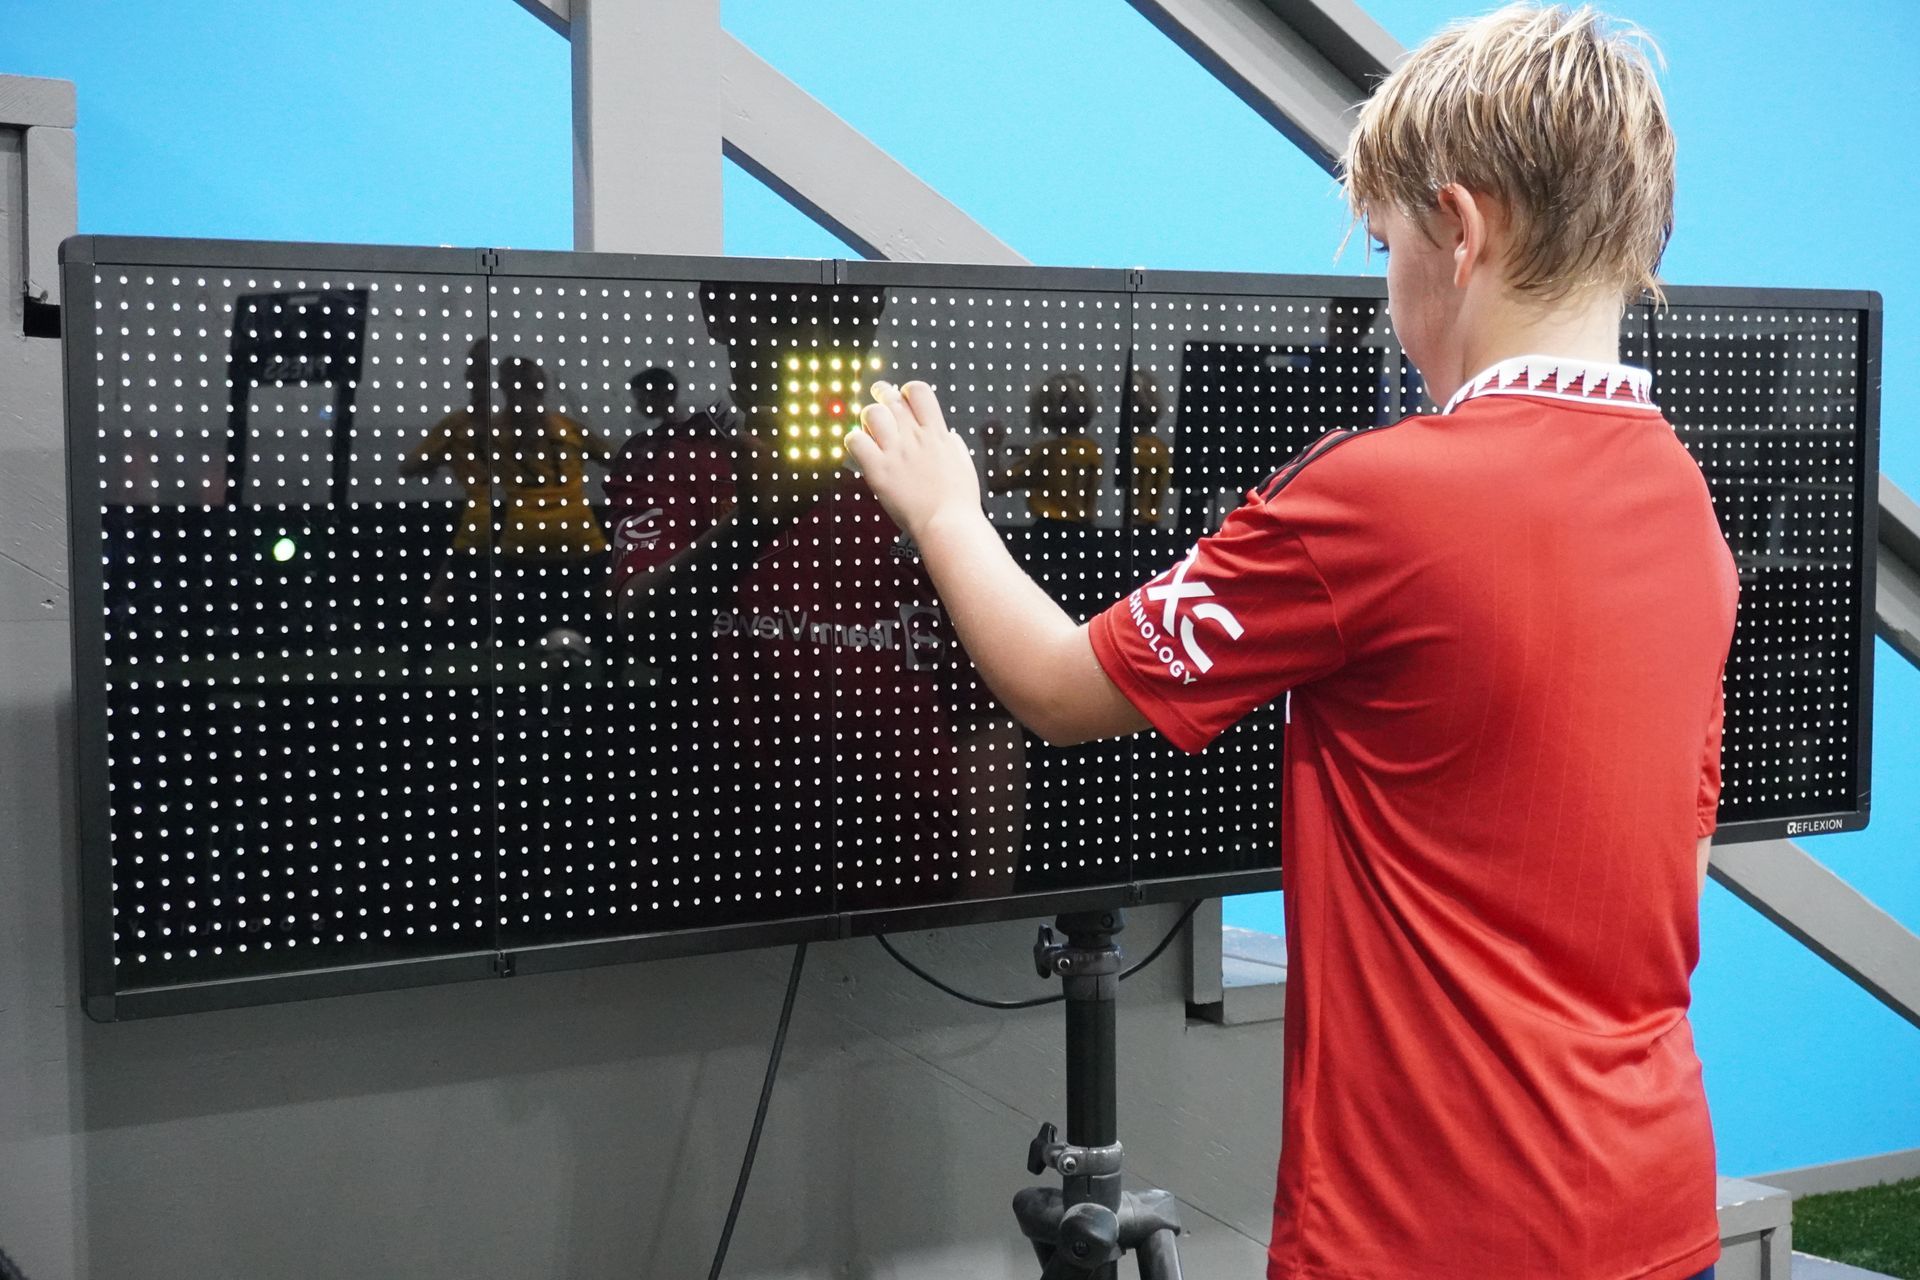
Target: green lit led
pixel 283 550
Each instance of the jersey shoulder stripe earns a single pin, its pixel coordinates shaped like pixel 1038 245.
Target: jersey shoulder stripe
pixel 1270 488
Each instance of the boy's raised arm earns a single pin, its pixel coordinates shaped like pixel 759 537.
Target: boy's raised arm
pixel 1031 655
pixel 1034 657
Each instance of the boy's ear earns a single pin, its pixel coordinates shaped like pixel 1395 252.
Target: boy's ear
pixel 1464 228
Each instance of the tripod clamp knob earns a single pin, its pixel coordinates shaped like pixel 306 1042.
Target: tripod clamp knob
pixel 1045 1153
pixel 1054 959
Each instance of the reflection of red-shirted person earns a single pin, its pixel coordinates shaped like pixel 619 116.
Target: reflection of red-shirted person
pixel 836 609
pixel 674 480
pixel 1503 628
pixel 808 596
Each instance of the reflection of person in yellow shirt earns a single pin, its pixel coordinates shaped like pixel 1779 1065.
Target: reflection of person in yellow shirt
pixel 541 458
pixel 453 443
pixel 1152 460
pixel 1061 473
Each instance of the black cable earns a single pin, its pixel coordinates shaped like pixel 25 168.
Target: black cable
pixel 760 1115
pixel 1036 1001
pixel 786 1018
pixel 982 1001
pixel 1165 942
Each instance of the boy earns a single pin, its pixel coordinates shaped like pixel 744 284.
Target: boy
pixel 1504 627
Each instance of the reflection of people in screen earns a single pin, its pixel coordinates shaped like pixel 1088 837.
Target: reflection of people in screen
pixel 541 457
pixel 675 480
pixel 1152 461
pixel 1060 471
pixel 656 392
pixel 924 731
pixel 458 443
pixel 721 535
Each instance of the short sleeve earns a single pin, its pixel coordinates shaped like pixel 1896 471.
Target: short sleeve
pixel 1243 618
pixel 1709 793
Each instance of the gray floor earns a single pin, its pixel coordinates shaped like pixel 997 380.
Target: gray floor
pixel 1808 1267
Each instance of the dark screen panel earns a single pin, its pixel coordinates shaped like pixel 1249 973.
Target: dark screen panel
pixel 630 704
pixel 943 796
pixel 459 614
pixel 290 784
pixel 1770 401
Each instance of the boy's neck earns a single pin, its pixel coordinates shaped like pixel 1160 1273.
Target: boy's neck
pixel 1583 331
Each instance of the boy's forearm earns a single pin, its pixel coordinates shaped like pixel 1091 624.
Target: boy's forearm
pixel 1006 623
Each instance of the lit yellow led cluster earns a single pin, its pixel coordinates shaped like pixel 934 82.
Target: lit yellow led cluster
pixel 813 432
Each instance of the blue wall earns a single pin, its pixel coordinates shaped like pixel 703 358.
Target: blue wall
pixel 1081 136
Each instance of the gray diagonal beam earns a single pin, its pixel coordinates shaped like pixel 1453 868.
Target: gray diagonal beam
pixel 832 173
pixel 1897 587
pixel 557 14
pixel 1832 919
pixel 1303 65
pixel 788 139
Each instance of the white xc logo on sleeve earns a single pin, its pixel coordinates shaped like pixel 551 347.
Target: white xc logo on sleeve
pixel 1178 589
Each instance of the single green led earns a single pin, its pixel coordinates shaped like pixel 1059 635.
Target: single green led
pixel 283 550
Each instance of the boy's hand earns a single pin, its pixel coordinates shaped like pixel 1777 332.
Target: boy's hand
pixel 912 461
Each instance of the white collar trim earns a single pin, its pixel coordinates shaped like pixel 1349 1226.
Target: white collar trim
pixel 1550 376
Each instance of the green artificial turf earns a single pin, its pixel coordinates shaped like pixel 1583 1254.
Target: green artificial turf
pixel 1874 1227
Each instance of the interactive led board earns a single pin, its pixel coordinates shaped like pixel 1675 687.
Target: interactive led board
pixel 445 614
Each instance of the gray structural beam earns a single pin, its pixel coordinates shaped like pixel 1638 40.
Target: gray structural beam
pixel 1790 887
pixel 1897 593
pixel 37 155
pixel 29 101
pixel 1304 65
pixel 831 172
pixel 1832 919
pixel 646 126
pixel 42 1096
pixel 42 114
pixel 770 127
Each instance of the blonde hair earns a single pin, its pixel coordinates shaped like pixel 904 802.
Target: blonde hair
pixel 1551 111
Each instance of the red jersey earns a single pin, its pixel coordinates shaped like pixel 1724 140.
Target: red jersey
pixel 662 495
pixel 1504 629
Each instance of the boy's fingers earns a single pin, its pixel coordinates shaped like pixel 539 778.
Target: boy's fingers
pixel 879 423
pixel 926 405
pixel 889 395
pixel 859 444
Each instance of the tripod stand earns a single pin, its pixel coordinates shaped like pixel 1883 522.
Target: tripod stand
pixel 1083 1227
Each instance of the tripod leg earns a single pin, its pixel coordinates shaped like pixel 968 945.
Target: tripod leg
pixel 1159 1257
